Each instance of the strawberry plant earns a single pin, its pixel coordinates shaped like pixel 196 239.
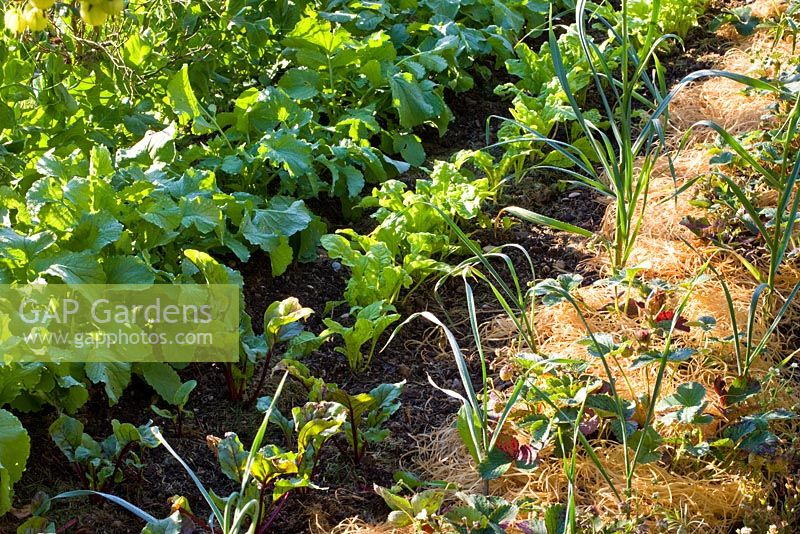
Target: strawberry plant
pixel 777 166
pixel 420 511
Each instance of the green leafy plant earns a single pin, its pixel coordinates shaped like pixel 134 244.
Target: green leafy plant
pixel 272 467
pixel 616 164
pixel 15 447
pixel 374 272
pixel 366 412
pixel 777 232
pixel 369 323
pixel 282 326
pixel 479 431
pixel 415 502
pixel 420 511
pixel 243 510
pixel 686 406
pixel 752 435
pixel 747 348
pixel 481 514
pixel 741 18
pixel 478 514
pixel 98 465
pixel 179 399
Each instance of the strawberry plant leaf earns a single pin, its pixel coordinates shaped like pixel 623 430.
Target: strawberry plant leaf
pixel 494 464
pixel 651 357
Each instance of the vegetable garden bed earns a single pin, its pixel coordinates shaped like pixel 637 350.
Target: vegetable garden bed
pixel 484 288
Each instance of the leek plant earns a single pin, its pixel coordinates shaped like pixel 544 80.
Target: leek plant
pixel 777 234
pixel 239 515
pixel 617 162
pixel 747 348
pixel 478 430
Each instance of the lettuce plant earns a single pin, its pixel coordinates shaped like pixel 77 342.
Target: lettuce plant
pixel 369 323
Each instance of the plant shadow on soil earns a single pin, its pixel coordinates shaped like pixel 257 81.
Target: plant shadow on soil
pixel 417 351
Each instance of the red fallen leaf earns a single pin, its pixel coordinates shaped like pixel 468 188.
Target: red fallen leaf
pixel 589 426
pixel 527 455
pixel 508 444
pixel 721 390
pixel 667 316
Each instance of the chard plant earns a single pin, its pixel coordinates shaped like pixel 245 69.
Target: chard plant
pixel 283 329
pixel 245 509
pixel 419 511
pixel 99 465
pixel 178 399
pixel 414 502
pixel 370 322
pixel 366 412
pixel 283 335
pixel 270 473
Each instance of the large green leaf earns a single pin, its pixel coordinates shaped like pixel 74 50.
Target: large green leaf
pixel 115 377
pixel 287 150
pixel 180 95
pixel 72 267
pixel 127 270
pixel 162 378
pixel 15 446
pixel 410 100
